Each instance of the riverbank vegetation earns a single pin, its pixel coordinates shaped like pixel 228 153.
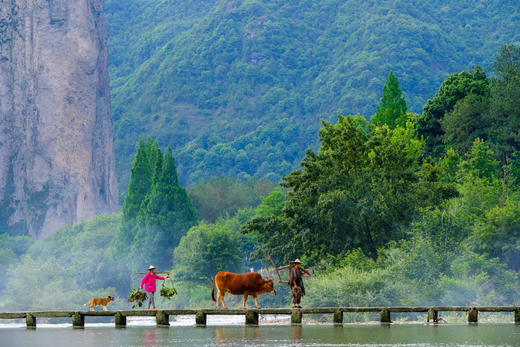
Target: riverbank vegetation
pixel 402 209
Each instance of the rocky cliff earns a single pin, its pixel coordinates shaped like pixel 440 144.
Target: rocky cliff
pixel 56 156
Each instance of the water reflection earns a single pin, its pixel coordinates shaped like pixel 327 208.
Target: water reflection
pixel 263 336
pixel 149 338
pixel 296 333
pixel 220 335
pixel 223 335
pixel 251 333
pixel 338 332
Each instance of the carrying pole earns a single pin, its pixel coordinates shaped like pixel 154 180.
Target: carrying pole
pixel 278 270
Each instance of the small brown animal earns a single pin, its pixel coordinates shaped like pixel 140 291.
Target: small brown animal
pixel 99 302
pixel 246 284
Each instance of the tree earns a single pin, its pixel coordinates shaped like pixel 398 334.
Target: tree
pixel 157 210
pixel 359 191
pixel 468 121
pixel 392 108
pixel 456 87
pixel 140 185
pixel 272 204
pixel 505 102
pixel 480 162
pixel 209 248
pixel 11 249
pixel 507 63
pixel 498 233
pixel 165 216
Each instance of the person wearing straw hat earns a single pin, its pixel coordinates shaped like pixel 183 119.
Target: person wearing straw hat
pixel 148 282
pixel 296 273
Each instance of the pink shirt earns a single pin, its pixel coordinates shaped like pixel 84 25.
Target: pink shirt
pixel 149 282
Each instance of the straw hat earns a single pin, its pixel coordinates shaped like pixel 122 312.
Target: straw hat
pixel 297 261
pixel 151 267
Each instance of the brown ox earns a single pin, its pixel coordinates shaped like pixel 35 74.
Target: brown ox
pixel 250 283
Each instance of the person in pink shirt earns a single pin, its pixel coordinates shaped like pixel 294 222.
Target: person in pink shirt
pixel 148 282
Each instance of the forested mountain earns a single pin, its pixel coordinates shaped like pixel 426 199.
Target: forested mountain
pixel 237 87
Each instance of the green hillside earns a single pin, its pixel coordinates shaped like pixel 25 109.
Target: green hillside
pixel 238 87
pixel 403 209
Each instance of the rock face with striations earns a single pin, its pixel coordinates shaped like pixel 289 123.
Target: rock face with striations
pixel 56 157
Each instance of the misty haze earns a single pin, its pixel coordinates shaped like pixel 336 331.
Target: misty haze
pixel 355 154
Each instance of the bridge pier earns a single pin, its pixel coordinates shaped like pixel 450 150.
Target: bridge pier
pixel 251 317
pixel 433 316
pixel 78 320
pixel 385 316
pixel 120 320
pixel 162 319
pixel 473 315
pixel 296 316
pixel 338 317
pixel 30 320
pixel 200 319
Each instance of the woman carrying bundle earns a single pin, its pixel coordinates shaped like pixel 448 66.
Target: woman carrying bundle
pixel 148 282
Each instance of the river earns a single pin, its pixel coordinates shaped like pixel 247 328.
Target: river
pixel 183 333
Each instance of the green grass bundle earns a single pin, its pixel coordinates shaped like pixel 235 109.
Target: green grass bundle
pixel 168 292
pixel 137 296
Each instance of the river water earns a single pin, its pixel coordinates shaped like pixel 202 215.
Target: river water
pixel 182 333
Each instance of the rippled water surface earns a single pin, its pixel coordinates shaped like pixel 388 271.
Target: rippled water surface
pixel 144 334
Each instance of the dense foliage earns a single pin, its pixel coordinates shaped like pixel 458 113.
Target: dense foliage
pixel 11 249
pixel 238 88
pixel 454 241
pixel 209 248
pixel 157 211
pixel 382 214
pixel 66 269
pixel 469 105
pixel 360 190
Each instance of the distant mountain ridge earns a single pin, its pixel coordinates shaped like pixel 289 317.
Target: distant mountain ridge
pixel 238 87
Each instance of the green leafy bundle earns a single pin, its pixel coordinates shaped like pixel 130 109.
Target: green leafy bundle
pixel 168 292
pixel 137 296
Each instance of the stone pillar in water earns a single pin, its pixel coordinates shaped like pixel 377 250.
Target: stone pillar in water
pixel 251 317
pixel 385 316
pixel 338 317
pixel 200 318
pixel 473 315
pixel 30 321
pixel 78 320
pixel 162 319
pixel 433 316
pixel 120 320
pixel 296 316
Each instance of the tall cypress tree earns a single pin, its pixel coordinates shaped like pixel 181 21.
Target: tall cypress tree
pixel 165 216
pixel 140 186
pixel 392 108
pixel 154 155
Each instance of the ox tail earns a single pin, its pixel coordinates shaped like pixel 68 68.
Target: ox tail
pixel 213 290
